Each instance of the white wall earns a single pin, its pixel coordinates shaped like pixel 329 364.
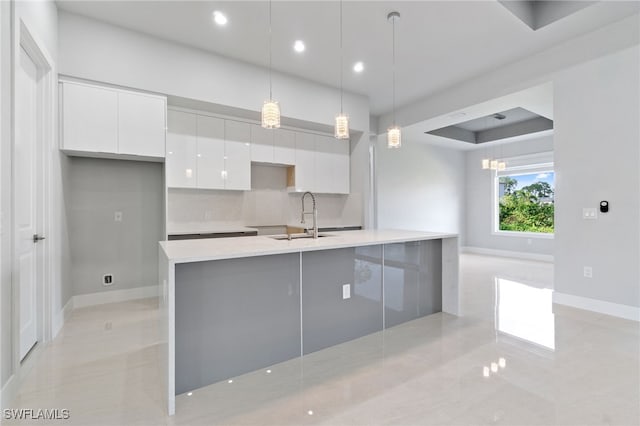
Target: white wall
pixel 420 186
pixel 479 198
pixel 597 157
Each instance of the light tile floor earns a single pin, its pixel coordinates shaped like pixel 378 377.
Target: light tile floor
pixel 562 366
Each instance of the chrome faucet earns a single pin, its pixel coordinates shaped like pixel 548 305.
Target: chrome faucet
pixel 314 212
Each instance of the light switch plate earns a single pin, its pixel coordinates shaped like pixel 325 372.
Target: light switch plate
pixel 346 291
pixel 117 216
pixel 589 213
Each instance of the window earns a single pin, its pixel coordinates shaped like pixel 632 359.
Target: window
pixel 525 196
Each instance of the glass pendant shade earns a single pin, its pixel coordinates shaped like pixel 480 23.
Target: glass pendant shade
pixel 270 114
pixel 394 138
pixel 342 127
pixel 494 165
pixel 485 164
pixel 502 165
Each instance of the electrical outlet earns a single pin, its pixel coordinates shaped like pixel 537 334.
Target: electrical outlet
pixel 117 216
pixel 588 272
pixel 107 279
pixel 346 291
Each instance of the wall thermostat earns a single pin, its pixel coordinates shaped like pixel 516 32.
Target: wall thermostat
pixel 604 206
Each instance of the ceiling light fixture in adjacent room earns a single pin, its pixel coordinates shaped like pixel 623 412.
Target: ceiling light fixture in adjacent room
pixel 358 67
pixel 270 109
pixel 394 136
pixel 342 119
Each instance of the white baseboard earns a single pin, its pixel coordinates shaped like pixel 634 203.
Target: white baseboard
pixel 508 253
pixel 600 306
pixel 113 296
pixel 60 318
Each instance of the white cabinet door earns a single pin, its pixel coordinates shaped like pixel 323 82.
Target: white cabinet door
pixel 237 151
pixel 141 124
pixel 210 156
pixel 284 147
pixel 181 162
pixel 261 144
pixel 304 162
pixel 324 166
pixel 89 118
pixel 342 167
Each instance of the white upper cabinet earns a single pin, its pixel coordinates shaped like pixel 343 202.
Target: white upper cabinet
pixel 141 124
pixel 237 155
pixel 108 122
pixel 261 144
pixel 181 164
pixel 322 165
pixel 284 147
pixel 210 156
pixel 305 164
pixel 207 152
pixel 89 118
pixel 273 146
pixel 332 165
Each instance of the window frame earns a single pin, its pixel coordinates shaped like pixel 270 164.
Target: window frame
pixel 521 168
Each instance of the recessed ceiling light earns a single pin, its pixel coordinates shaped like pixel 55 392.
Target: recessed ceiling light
pixel 298 46
pixel 219 18
pixel 358 66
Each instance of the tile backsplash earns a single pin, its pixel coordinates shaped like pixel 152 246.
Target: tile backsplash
pixel 267 204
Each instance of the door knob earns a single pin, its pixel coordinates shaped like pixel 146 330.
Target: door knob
pixel 37 238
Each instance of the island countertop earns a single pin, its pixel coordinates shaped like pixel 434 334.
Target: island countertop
pixel 186 251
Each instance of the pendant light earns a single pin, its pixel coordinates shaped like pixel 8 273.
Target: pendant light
pixel 394 137
pixel 342 120
pixel 270 108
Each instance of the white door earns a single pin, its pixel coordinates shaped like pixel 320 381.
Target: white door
pixel 28 198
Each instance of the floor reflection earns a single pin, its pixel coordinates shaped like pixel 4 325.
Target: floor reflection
pixel 525 312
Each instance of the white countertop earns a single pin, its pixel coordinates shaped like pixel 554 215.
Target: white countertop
pixel 185 251
pixel 205 228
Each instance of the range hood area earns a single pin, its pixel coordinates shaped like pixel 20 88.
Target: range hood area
pixel 515 122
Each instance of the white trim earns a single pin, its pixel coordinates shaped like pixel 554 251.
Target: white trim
pixel 59 318
pixel 523 234
pixel 508 253
pixel 600 306
pixel 113 296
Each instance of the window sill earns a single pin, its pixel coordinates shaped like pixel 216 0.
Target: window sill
pixel 523 234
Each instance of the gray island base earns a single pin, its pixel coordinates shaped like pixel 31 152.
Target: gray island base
pixel 233 306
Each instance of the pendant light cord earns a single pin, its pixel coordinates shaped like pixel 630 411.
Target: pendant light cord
pixel 270 55
pixel 341 60
pixel 393 67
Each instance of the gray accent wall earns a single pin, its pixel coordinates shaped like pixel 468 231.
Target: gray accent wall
pixel 479 189
pixel 99 245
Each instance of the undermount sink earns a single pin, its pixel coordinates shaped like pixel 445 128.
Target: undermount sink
pixel 290 237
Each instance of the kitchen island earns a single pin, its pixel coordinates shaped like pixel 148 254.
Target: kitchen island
pixel 234 305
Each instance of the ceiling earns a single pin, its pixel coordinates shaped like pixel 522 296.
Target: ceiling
pixel 439 43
